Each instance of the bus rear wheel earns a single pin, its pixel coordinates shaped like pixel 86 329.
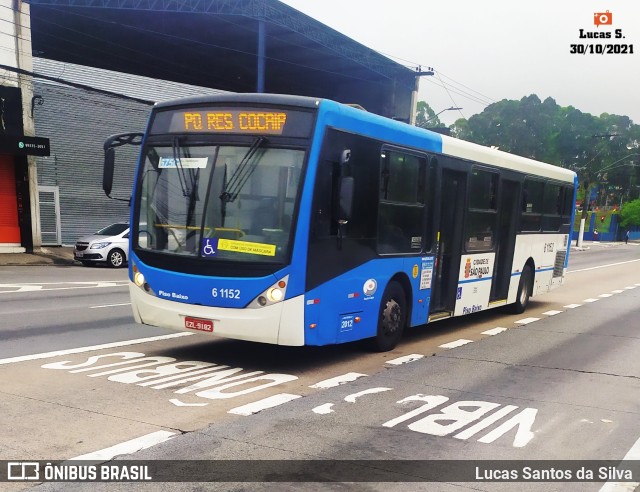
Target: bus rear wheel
pixel 392 318
pixel 524 291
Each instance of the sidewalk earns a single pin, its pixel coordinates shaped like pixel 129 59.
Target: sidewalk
pixel 44 256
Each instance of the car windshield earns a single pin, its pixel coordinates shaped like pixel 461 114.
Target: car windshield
pixel 219 202
pixel 113 230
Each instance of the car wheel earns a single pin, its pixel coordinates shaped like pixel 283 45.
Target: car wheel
pixel 392 318
pixel 116 258
pixel 524 291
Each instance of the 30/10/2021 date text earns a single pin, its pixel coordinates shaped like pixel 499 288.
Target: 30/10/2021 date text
pixel 601 49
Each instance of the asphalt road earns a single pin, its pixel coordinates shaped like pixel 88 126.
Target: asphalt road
pixel 559 382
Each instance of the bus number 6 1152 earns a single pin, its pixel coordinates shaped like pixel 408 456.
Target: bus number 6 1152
pixel 226 293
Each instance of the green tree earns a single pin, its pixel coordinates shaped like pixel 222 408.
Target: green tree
pixel 630 214
pixel 426 117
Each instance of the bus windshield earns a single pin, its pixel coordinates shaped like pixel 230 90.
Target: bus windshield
pixel 219 202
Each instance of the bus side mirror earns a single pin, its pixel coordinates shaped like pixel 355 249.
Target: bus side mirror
pixel 108 170
pixel 345 207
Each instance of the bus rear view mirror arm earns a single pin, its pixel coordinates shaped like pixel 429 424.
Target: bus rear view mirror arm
pixel 109 159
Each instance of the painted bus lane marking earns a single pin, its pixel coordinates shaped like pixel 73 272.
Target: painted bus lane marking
pixel 460 420
pixel 338 380
pixel 448 420
pixel 201 379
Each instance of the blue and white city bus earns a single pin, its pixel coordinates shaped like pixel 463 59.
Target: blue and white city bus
pixel 300 221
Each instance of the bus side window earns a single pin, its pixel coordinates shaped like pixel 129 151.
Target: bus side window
pixel 401 208
pixel 482 214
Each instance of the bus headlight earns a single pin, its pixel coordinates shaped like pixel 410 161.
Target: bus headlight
pixel 275 294
pixel 138 278
pixel 272 295
pixel 140 281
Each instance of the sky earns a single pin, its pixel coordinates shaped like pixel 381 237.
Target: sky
pixel 486 51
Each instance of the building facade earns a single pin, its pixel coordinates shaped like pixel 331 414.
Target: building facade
pixel 77 121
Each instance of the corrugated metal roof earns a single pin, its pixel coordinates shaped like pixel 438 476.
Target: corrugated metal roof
pixel 117 82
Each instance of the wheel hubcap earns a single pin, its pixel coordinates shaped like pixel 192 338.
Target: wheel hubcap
pixel 392 317
pixel 116 259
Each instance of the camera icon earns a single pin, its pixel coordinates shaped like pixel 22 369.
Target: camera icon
pixel 603 18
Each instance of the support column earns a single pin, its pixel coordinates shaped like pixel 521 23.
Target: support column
pixel 262 40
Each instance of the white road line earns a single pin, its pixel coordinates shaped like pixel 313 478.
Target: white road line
pixel 338 380
pixel 553 312
pixel 605 295
pixel 494 331
pixel 127 447
pixel 572 306
pixel 591 300
pixel 632 455
pixel 323 409
pixel 404 359
pixel 20 288
pixel 630 287
pixel 258 406
pixel 110 305
pixel 455 343
pixel 603 266
pixel 179 403
pixel 371 391
pixel 526 321
pixel 617 291
pixel 57 353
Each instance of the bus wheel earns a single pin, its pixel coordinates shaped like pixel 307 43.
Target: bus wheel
pixel 524 291
pixel 391 319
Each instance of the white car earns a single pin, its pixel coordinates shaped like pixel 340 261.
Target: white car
pixel 109 245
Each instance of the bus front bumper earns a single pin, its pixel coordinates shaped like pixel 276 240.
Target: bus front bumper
pixel 281 323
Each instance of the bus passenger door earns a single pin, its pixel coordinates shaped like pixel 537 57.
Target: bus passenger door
pixel 449 243
pixel 505 240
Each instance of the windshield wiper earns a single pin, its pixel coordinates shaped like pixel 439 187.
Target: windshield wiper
pixel 242 174
pixel 188 188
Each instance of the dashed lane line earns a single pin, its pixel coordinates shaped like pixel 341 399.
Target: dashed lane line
pixel 404 359
pixel 494 331
pixel 455 343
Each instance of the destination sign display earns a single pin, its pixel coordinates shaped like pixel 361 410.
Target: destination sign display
pixel 254 121
pixel 234 121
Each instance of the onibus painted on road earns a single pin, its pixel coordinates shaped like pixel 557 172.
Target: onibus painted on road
pixel 300 221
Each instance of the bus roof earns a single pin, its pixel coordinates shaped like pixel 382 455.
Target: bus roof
pixel 343 116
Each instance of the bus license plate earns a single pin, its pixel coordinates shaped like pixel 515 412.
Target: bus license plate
pixel 198 324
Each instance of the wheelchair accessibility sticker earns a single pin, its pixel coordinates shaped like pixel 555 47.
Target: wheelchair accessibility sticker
pixel 209 246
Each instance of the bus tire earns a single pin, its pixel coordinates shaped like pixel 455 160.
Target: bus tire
pixel 524 291
pixel 392 318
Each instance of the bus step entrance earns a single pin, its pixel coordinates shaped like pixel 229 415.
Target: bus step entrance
pixel 440 315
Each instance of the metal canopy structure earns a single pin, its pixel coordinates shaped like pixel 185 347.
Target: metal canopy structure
pixel 233 45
